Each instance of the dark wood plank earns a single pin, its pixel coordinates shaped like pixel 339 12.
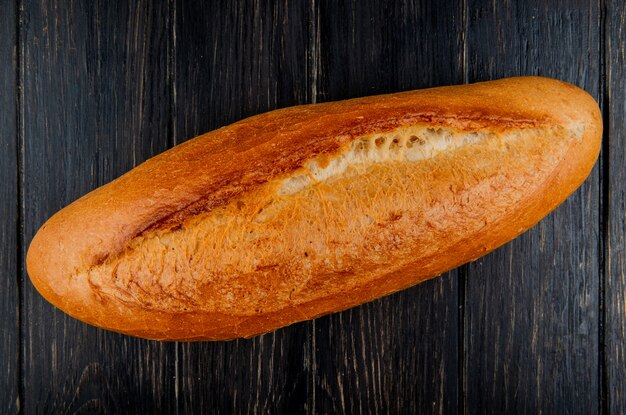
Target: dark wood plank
pixel 396 354
pixel 96 103
pixel 615 156
pixel 9 274
pixel 235 59
pixel 532 324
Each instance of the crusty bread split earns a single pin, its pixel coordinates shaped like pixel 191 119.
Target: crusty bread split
pixel 304 211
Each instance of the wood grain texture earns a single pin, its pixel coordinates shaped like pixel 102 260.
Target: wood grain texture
pixel 236 59
pixel 96 104
pixel 615 156
pixel 9 274
pixel 399 353
pixel 531 326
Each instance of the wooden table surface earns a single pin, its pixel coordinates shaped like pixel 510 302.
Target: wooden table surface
pixel 90 89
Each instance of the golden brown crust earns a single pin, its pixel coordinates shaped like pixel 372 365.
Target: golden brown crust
pixel 68 257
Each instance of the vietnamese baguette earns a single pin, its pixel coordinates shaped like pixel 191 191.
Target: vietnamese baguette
pixel 308 210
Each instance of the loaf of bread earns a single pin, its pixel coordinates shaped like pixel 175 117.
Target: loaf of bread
pixel 304 211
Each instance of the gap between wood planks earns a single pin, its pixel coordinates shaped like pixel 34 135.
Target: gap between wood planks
pixel 21 205
pixel 603 98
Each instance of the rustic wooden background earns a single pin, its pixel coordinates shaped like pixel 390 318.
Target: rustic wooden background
pixel 90 89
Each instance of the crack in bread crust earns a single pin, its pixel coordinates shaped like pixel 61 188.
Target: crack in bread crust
pixel 379 203
pixel 222 197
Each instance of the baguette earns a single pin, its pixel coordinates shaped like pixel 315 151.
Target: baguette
pixel 309 210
